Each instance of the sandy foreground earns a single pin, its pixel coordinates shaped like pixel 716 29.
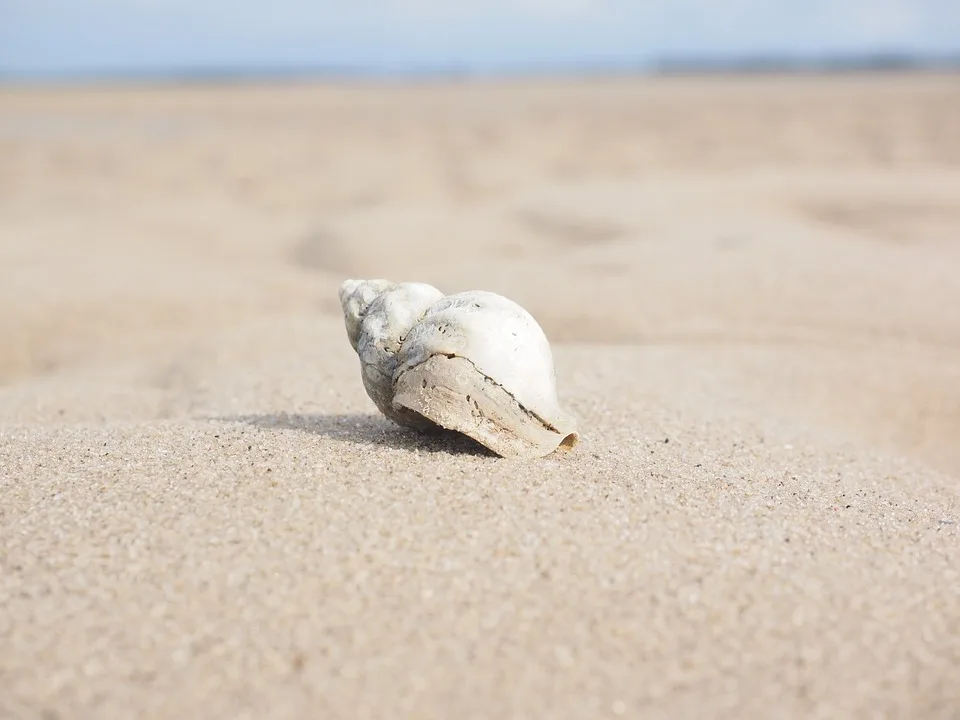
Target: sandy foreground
pixel 751 287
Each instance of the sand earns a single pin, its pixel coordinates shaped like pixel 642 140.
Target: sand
pixel 750 286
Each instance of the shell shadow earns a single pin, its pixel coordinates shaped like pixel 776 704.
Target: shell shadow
pixel 367 430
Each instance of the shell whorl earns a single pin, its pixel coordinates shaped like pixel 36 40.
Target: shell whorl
pixel 378 315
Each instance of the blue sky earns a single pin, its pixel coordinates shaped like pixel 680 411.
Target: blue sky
pixel 84 37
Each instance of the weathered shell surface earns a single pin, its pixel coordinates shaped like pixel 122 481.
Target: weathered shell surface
pixel 475 362
pixel 377 314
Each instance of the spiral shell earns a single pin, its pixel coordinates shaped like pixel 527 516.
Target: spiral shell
pixel 474 362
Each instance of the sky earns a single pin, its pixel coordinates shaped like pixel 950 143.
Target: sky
pixel 64 38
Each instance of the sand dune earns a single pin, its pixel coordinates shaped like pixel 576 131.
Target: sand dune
pixel 751 289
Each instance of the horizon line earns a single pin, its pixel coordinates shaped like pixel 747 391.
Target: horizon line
pixel 756 64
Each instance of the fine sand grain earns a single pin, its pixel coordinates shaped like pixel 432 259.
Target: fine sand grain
pixel 751 288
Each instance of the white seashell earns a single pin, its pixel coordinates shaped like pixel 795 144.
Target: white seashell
pixel 474 362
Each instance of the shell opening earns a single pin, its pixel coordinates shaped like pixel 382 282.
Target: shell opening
pixel 438 390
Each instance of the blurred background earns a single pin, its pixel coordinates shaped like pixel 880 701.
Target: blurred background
pixel 776 182
pixel 163 38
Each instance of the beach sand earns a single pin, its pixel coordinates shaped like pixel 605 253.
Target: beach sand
pixel 751 289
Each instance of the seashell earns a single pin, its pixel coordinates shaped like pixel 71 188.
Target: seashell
pixel 474 362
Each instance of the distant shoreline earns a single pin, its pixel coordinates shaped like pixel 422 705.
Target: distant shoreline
pixel 684 66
